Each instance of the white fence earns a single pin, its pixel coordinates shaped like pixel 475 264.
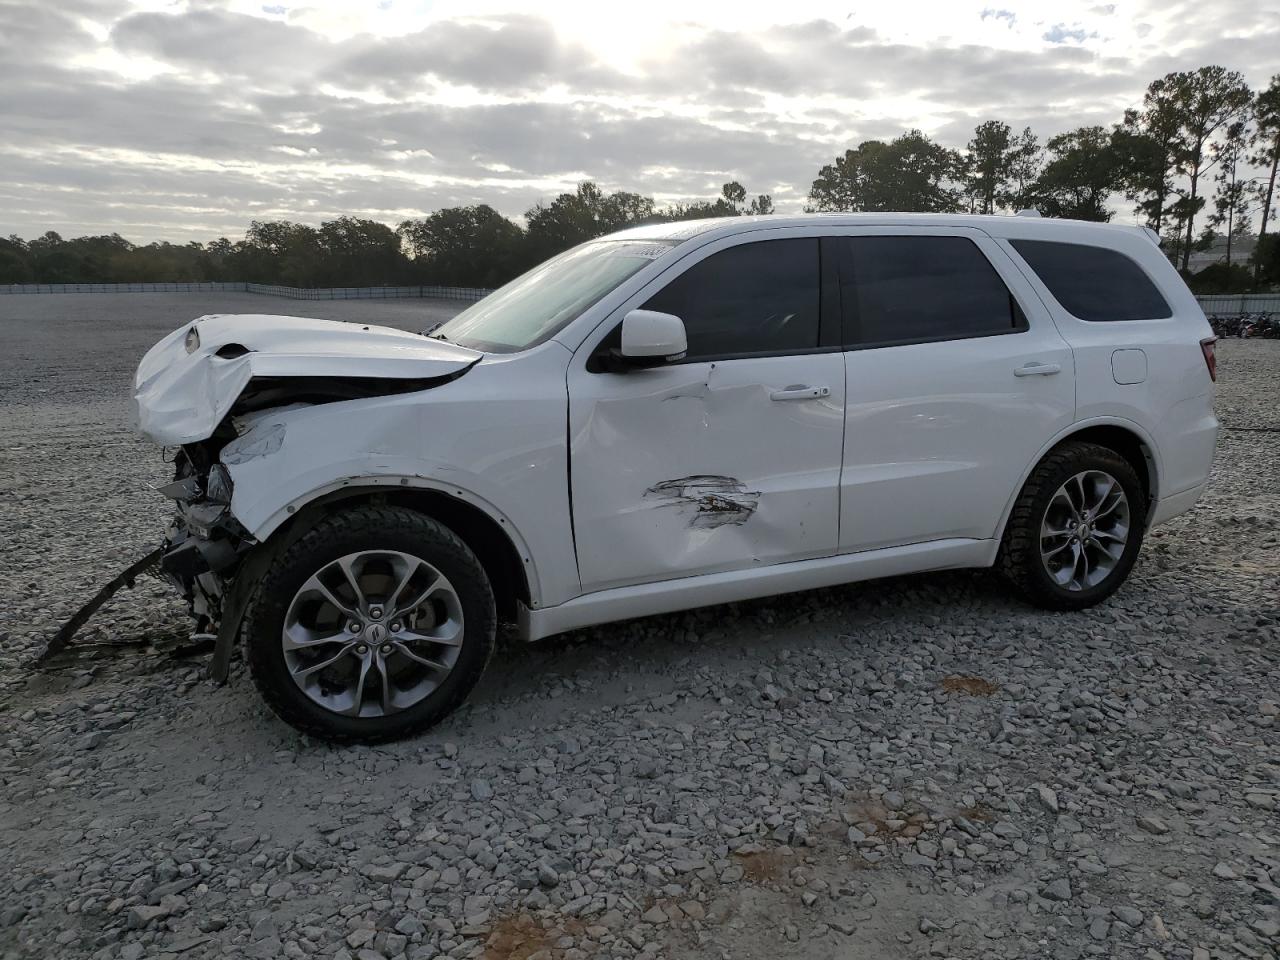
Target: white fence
pixel 206 287
pixel 267 289
pixel 1230 304
pixel 368 293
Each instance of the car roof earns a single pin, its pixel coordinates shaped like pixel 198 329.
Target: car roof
pixel 1021 226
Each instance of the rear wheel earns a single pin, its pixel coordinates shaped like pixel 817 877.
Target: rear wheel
pixel 374 625
pixel 1076 528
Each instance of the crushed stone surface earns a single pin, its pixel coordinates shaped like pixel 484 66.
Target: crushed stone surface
pixel 915 767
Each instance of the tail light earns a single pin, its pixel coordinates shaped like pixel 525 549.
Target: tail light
pixel 1210 356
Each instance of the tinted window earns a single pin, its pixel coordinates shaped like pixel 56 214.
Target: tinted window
pixel 755 298
pixel 914 289
pixel 1094 283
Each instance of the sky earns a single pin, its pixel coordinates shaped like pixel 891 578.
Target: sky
pixel 185 119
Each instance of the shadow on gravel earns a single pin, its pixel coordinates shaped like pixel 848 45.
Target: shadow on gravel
pixel 661 639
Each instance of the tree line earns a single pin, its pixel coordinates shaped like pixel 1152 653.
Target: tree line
pixel 1197 159
pixel 1196 133
pixel 472 246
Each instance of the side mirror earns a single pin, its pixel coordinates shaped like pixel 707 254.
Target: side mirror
pixel 650 338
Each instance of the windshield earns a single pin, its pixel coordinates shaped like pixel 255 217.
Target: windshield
pixel 537 304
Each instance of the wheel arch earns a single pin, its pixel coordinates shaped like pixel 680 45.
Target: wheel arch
pixel 1130 445
pixel 1125 437
pixel 502 552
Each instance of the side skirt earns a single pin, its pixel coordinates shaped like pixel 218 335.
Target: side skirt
pixel 648 599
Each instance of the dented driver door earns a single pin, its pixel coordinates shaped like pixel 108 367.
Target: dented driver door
pixel 728 460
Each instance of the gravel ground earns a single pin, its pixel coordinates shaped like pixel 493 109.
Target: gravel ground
pixel 918 767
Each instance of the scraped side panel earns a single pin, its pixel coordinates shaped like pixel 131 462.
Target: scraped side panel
pixel 707 502
pixel 694 468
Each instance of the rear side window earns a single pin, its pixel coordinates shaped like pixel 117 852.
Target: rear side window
pixel 1094 283
pixel 911 289
pixel 757 298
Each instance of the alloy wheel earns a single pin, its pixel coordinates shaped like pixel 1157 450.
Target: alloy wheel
pixel 372 633
pixel 1084 530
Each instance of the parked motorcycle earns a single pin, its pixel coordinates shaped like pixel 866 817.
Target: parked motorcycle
pixel 1261 325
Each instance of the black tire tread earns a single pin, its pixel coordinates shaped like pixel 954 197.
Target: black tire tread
pixel 1019 556
pixel 356 521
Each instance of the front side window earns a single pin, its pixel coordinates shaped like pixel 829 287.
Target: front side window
pixel 913 289
pixel 540 303
pixel 757 298
pixel 1094 283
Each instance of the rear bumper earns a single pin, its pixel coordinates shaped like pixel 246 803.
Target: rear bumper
pixel 1169 507
pixel 1187 437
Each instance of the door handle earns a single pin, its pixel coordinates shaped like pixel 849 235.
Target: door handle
pixel 1037 369
pixel 800 392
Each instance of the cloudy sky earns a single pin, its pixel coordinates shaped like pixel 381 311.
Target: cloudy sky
pixel 185 119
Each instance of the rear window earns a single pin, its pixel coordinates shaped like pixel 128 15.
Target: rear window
pixel 1094 283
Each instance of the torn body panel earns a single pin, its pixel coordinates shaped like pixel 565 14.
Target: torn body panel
pixel 125 579
pixel 204 544
pixel 699 467
pixel 188 382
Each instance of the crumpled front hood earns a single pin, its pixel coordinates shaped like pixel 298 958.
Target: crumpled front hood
pixel 181 397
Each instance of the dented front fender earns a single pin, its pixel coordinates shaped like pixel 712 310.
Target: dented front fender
pixel 495 436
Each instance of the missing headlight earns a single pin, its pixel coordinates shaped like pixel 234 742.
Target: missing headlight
pixel 218 486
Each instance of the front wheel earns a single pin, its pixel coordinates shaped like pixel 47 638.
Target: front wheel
pixel 1076 528
pixel 374 625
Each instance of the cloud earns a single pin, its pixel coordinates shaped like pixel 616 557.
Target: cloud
pixel 991 13
pixel 506 54
pixel 188 123
pixel 225 44
pixel 1061 33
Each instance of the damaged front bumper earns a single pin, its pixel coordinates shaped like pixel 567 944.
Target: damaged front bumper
pixel 205 549
pixel 204 538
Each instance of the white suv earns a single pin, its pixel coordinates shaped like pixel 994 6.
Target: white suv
pixel 672 416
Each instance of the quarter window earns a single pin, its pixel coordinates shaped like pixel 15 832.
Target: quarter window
pixel 1094 283
pixel 757 298
pixel 913 289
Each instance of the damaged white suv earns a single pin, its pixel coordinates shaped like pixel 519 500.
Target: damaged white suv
pixel 672 416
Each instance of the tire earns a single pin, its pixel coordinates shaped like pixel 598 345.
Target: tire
pixel 1020 558
pixel 379 537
